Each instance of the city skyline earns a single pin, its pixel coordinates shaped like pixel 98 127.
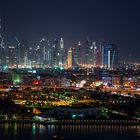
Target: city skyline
pixel 114 22
pixel 55 55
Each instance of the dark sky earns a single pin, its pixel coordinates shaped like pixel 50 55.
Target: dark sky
pixel 114 21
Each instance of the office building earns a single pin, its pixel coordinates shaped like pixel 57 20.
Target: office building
pixel 110 56
pixel 70 63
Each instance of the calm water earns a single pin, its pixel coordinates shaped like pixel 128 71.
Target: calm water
pixel 68 132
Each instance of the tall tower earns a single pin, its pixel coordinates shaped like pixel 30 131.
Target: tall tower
pixel 55 53
pixel 91 55
pixel 11 58
pixel 61 43
pixel 61 53
pixel 42 55
pixel 49 54
pixel 110 56
pixel 40 52
pixel 79 53
pixel 94 53
pixel 70 58
pixel 86 49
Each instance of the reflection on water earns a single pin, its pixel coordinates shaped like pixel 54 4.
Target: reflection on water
pixel 79 132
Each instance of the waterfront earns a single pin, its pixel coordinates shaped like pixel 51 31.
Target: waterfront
pixel 79 132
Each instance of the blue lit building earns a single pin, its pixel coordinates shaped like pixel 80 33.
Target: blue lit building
pixel 110 56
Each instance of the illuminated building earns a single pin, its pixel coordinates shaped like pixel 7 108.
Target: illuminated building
pixel 70 58
pixel 31 56
pixel 55 53
pixel 40 52
pixel 94 52
pixel 43 51
pixel 24 52
pixel 79 53
pixel 110 56
pixel 61 53
pixel 91 55
pixel 48 54
pixel 61 43
pixel 98 57
pixel 11 57
pixel 75 56
pixel 86 52
pixel 94 55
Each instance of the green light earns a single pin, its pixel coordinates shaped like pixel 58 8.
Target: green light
pixel 16 78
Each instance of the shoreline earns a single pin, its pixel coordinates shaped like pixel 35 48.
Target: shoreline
pixel 74 122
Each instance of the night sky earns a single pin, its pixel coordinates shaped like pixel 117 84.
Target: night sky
pixel 113 21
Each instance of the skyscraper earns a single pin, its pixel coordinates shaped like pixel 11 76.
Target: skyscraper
pixel 110 56
pixel 70 58
pixel 75 56
pixel 22 52
pixel 94 53
pixel 31 56
pixel 86 50
pixel 55 53
pixel 49 54
pixel 11 57
pixel 79 53
pixel 61 53
pixel 40 52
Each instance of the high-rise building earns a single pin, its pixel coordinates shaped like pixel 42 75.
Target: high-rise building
pixel 49 54
pixel 98 57
pixel 11 57
pixel 40 52
pixel 91 55
pixel 22 53
pixel 61 43
pixel 18 52
pixel 61 53
pixel 94 53
pixel 79 53
pixel 86 50
pixel 75 56
pixel 43 45
pixel 31 56
pixel 55 53
pixel 110 56
pixel 70 62
pixel 37 55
